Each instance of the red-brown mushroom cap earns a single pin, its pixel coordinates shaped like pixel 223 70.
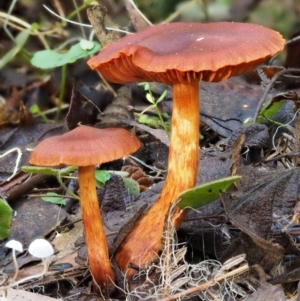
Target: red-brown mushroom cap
pixel 85 146
pixel 177 52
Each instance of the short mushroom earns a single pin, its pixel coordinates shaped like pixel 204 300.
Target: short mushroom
pixel 41 248
pixel 181 55
pixel 15 246
pixel 86 147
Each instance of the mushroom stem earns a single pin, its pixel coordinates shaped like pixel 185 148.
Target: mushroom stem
pixel 16 264
pixel 144 240
pixel 94 232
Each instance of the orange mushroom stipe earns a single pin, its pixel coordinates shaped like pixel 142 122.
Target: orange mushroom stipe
pixel 180 54
pixel 85 147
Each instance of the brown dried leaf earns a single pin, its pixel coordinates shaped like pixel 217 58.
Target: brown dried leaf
pixel 13 111
pixel 266 291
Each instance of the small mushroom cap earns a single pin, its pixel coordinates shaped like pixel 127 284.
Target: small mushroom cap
pixel 40 248
pixel 15 245
pixel 177 52
pixel 85 146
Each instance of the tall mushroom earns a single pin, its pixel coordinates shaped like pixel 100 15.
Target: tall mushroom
pixel 181 55
pixel 85 147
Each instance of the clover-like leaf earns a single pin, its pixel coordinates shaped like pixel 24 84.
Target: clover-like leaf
pixel 47 59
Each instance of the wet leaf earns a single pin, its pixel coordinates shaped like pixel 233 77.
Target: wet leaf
pixel 206 193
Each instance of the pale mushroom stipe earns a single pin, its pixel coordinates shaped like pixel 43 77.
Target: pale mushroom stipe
pixel 181 55
pixel 15 246
pixel 86 147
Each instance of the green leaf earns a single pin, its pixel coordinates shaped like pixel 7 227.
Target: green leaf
pixel 5 219
pixel 102 176
pixel 205 193
pixel 269 110
pixel 151 121
pixel 47 59
pixel 54 198
pixel 131 185
pixel 20 40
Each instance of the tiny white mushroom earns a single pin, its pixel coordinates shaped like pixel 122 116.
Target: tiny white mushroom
pixel 15 246
pixel 41 248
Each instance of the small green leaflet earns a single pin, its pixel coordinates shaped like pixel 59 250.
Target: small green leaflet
pixel 5 219
pixel 206 193
pixel 102 176
pixel 54 198
pixel 269 110
pixel 131 185
pixel 48 59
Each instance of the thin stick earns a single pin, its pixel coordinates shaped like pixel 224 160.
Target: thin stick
pixel 82 24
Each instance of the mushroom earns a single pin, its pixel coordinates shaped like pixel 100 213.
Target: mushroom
pixel 15 246
pixel 41 248
pixel 85 147
pixel 181 55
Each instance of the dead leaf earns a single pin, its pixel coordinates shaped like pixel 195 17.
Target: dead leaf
pixel 266 291
pixel 274 195
pixel 254 211
pixel 257 250
pixel 13 111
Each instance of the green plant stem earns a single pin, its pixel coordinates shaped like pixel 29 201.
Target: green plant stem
pixel 62 91
pixel 162 121
pixel 79 9
pixel 58 173
pixel 62 184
